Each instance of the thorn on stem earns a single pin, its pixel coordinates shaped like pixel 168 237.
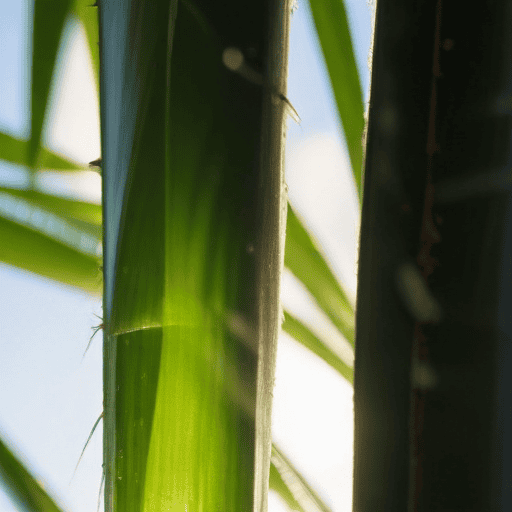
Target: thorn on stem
pixel 234 60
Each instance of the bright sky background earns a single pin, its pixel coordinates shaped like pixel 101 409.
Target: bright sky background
pixel 50 397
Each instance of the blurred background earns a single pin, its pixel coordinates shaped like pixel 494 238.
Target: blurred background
pixel 50 396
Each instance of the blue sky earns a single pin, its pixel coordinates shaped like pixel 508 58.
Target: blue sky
pixel 50 397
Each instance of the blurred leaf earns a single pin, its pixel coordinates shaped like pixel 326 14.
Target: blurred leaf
pixel 49 20
pixel 31 250
pixel 297 330
pixel 21 486
pixel 334 34
pixel 16 151
pixel 69 209
pixel 307 264
pixel 88 15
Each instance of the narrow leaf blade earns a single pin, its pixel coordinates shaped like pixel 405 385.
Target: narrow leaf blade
pixel 69 209
pixel 88 15
pixel 297 330
pixel 307 264
pixel 333 31
pixel 49 19
pixel 297 486
pixel 22 486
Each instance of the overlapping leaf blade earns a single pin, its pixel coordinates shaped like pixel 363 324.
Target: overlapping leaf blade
pixel 57 260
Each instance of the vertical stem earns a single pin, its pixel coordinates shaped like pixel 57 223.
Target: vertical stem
pixel 273 207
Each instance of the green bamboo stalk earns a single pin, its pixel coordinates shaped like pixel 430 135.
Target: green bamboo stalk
pixel 195 216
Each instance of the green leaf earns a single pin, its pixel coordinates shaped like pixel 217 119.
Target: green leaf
pixel 278 485
pixel 307 264
pixel 292 486
pixel 303 335
pixel 83 216
pixel 88 15
pixel 31 250
pixel 49 20
pixel 333 32
pixel 16 151
pixel 23 487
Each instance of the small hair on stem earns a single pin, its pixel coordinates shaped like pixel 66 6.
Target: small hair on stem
pixel 95 329
pixel 86 443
